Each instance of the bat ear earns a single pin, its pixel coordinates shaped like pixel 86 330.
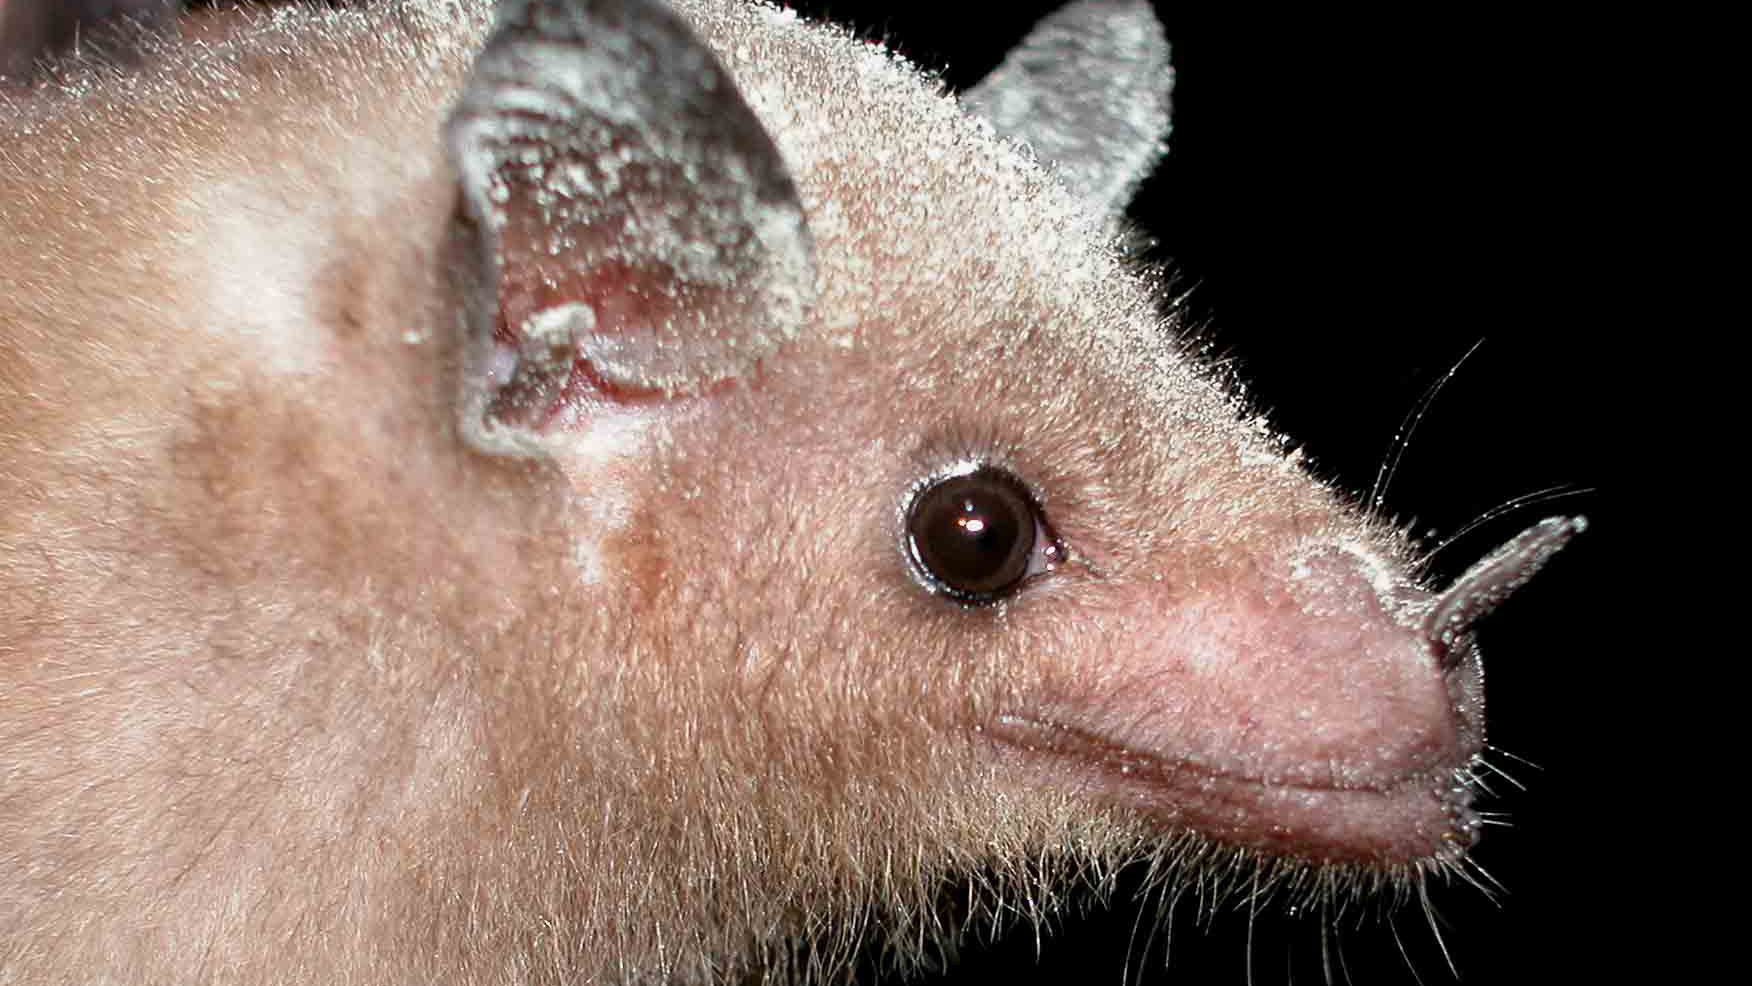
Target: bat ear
pixel 1088 90
pixel 638 232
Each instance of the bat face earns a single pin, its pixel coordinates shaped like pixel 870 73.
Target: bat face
pixel 603 509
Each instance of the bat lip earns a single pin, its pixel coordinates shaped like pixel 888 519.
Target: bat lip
pixel 1401 819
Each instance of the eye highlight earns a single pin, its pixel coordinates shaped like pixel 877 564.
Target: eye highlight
pixel 977 536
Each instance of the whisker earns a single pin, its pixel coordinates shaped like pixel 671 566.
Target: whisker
pixel 1429 910
pixel 1343 966
pixel 1403 954
pixel 1505 775
pixel 1252 916
pixel 1476 780
pixel 1164 908
pixel 1499 751
pixel 1325 947
pixel 1408 426
pixel 1493 895
pixel 1559 492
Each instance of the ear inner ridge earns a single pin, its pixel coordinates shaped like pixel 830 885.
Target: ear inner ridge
pixel 631 208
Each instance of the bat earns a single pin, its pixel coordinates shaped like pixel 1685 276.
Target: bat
pixel 651 497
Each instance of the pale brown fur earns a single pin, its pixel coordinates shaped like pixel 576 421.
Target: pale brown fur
pixel 299 689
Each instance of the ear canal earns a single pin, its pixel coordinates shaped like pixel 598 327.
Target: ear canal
pixel 637 226
pixel 1088 91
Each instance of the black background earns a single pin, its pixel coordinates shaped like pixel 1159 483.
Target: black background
pixel 1354 203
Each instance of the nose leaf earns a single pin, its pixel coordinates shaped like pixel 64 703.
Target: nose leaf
pixel 1486 584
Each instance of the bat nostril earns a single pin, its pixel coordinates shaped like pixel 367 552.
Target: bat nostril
pixel 1450 651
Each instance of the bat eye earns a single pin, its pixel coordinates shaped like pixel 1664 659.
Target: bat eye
pixel 977 536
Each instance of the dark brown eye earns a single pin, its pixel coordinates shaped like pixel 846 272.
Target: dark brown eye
pixel 978 535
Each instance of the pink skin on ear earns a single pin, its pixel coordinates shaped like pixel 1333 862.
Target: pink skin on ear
pixel 631 208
